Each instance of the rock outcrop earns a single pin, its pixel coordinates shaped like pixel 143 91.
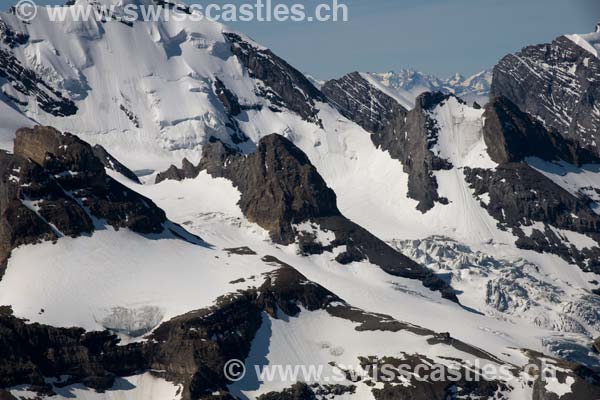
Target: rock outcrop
pixel 519 196
pixel 280 189
pixel 557 83
pixel 54 185
pixel 112 163
pixel 24 83
pixel 408 136
pixel 361 102
pixel 512 135
pixel 284 86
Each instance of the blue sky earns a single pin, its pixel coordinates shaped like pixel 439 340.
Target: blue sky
pixel 435 36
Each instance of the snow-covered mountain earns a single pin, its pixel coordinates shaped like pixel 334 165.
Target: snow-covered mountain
pixel 406 84
pixel 211 203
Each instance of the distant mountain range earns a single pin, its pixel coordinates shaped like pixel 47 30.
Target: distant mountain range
pixel 406 84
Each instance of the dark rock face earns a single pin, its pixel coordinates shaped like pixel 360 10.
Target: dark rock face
pixel 187 171
pixel 191 349
pixel 112 163
pixel 408 136
pixel 584 382
pixel 279 185
pixel 512 135
pixel 519 195
pixel 233 108
pixel 11 38
pixel 28 83
pixel 298 391
pixel 558 83
pixel 229 100
pixel 31 352
pixel 359 101
pixel 280 188
pixel 285 87
pixel 54 186
pixel 425 388
pixel 302 391
pixel 412 144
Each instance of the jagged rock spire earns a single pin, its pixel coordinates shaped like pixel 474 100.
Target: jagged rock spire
pixel 598 27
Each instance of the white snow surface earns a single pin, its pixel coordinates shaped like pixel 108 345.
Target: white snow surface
pixel 589 42
pixel 11 121
pixel 137 387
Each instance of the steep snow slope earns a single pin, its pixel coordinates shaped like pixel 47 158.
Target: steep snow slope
pixel 11 121
pixel 160 101
pixel 589 42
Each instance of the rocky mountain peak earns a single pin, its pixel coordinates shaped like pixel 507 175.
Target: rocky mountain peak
pixel 54 186
pixel 279 185
pixel 512 135
pixel 558 84
pixel 59 152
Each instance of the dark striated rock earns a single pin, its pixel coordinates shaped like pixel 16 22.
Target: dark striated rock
pixel 232 108
pixel 512 135
pixel 408 136
pixel 361 102
pixel 285 87
pixel 112 163
pixel 54 186
pixel 73 165
pixel 31 352
pixel 520 196
pixel 557 83
pixel 278 184
pixel 191 349
pixel 28 83
pixel 11 38
pixel 227 98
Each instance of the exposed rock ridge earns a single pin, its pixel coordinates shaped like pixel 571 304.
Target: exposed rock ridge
pixel 559 84
pixel 112 163
pixel 285 87
pixel 361 102
pixel 192 349
pixel 520 196
pixel 26 83
pixel 232 108
pixel 54 185
pixel 408 136
pixel 280 189
pixel 512 135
